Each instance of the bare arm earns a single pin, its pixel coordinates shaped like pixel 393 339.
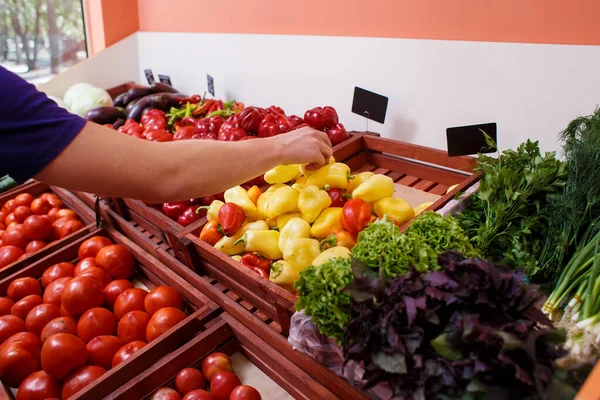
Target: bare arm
pixel 107 162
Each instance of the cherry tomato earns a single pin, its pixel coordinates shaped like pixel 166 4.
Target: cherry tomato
pixel 66 213
pixel 39 385
pixel 55 201
pixel 62 353
pixel 92 246
pixel 52 294
pixel 18 360
pixel 52 214
pixel 80 378
pixel 117 260
pixel 39 316
pixel 163 320
pixel 102 349
pixel 165 394
pixel 21 213
pixel 114 289
pixel 37 227
pixel 70 227
pixel 96 322
pixel 189 379
pixel 222 384
pixel 60 270
pixel 15 236
pixel 23 199
pixel 132 326
pixel 9 325
pixel 34 246
pixel 80 294
pixel 161 297
pixel 129 300
pixel 127 351
pixel 244 392
pixel 198 394
pixel 99 274
pixel 214 363
pixel 5 305
pixel 9 254
pixel 59 325
pixel 84 264
pixel 26 304
pixel 10 218
pixel 58 225
pixel 22 287
pixel 40 206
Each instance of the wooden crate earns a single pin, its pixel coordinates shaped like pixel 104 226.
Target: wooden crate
pixel 253 318
pixel 85 214
pixel 151 273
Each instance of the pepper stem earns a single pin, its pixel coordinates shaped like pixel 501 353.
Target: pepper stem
pixel 243 239
pixel 329 242
pixel 201 208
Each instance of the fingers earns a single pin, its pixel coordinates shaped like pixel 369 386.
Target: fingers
pixel 326 150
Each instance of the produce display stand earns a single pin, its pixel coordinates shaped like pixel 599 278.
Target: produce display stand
pixel 150 273
pixel 36 188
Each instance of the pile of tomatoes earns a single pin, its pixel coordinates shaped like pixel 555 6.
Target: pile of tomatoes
pixel 217 374
pixel 28 224
pixel 64 331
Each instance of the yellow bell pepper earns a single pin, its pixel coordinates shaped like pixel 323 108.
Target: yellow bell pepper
pixel 312 201
pixel 451 188
pixel 283 200
pixel 295 229
pixel 264 243
pixel 375 188
pixel 329 220
pixel 298 186
pixel 283 219
pixel 239 196
pixel 263 201
pixel 227 244
pixel 334 252
pixel 397 210
pixel 284 275
pixel 300 253
pixel 301 180
pixel 357 180
pixel 272 222
pixel 422 207
pixel 335 175
pixel 308 173
pixel 254 193
pixel 212 211
pixel 283 174
pixel 236 258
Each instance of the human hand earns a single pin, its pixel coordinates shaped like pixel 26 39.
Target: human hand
pixel 304 146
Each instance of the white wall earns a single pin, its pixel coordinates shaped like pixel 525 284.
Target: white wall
pixel 529 90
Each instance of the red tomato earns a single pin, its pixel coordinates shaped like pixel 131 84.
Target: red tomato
pixel 62 353
pixel 39 316
pixel 5 306
pixel 55 201
pixel 80 294
pixel 45 195
pixel 19 358
pixel 189 379
pixel 9 206
pixel 126 351
pixel 60 270
pixel 80 378
pixel 2 216
pixel 15 236
pixel 244 392
pixel 216 362
pixel 114 289
pixel 198 394
pixel 65 313
pixel 52 294
pixel 84 264
pixel 9 254
pixel 132 326
pixel 163 320
pixel 161 297
pixel 92 246
pixel 222 384
pixel 59 325
pixel 40 206
pixel 10 218
pixel 58 225
pixel 98 274
pixel 96 322
pixel 9 325
pixel 52 214
pixel 39 386
pixel 102 349
pixel 37 227
pixel 129 300
pixel 23 199
pixel 21 213
pixel 117 260
pixel 165 394
pixel 26 304
pixel 22 287
pixel 66 213
pixel 34 246
pixel 70 227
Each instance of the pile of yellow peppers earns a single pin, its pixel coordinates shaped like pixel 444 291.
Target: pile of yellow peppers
pixel 293 223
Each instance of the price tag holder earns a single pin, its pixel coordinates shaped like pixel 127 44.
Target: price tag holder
pixel 369 105
pixel 470 139
pixel 165 79
pixel 149 76
pixel 210 82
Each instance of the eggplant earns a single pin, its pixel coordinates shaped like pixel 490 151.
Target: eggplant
pixel 160 87
pixel 120 100
pixel 118 123
pixel 105 115
pixel 161 101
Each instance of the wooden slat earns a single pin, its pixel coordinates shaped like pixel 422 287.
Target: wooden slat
pixel 356 161
pixel 396 176
pixel 439 189
pixel 408 180
pixel 424 185
pixel 381 171
pixel 344 150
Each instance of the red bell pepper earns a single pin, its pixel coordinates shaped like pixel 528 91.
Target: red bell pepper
pixel 275 110
pixel 175 209
pixel 250 119
pixel 295 121
pixel 274 124
pixel 132 128
pixel 220 196
pixel 338 197
pixel 321 118
pixel 356 215
pixel 211 233
pixel 252 260
pixel 339 237
pixel 337 134
pixel 159 135
pixel 215 123
pixel 189 216
pixel 187 121
pixel 206 200
pixel 231 217
pixel 233 135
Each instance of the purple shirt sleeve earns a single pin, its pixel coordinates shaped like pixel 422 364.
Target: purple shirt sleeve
pixel 34 130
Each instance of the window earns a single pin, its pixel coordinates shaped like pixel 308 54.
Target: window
pixel 41 38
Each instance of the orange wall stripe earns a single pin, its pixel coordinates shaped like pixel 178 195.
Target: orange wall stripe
pixel 120 19
pixel 527 21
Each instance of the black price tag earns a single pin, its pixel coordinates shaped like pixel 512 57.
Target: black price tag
pixel 369 104
pixel 471 139
pixel 165 79
pixel 211 85
pixel 149 76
